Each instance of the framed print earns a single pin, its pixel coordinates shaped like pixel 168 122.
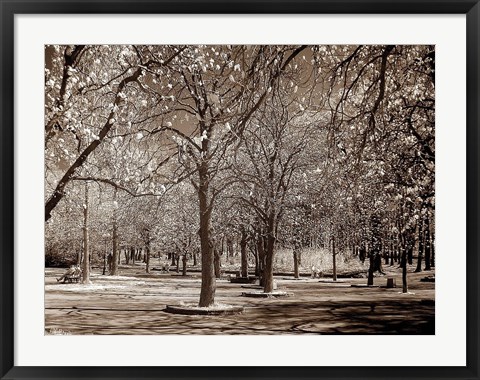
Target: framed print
pixel 239 189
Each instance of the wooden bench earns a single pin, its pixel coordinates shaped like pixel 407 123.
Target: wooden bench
pixel 72 275
pixel 165 268
pixel 71 279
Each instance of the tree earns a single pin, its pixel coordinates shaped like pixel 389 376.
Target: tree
pixel 272 145
pixel 382 117
pixel 223 86
pixel 86 241
pixel 331 146
pixel 90 92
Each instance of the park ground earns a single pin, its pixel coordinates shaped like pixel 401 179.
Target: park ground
pixel 134 303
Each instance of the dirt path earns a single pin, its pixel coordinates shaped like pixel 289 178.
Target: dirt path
pixel 134 303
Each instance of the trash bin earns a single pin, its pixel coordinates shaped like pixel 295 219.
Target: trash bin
pixel 391 282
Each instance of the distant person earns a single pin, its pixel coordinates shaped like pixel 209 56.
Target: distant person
pixel 166 267
pixel 315 272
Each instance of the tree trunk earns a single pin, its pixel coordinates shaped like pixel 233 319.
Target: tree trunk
pixel 402 246
pixel 216 262
pixel 370 268
pixel 432 249
pixel 230 252
pixel 362 253
pixel 104 262
pixel 268 270
pixel 243 252
pixel 420 247
pixel 376 248
pixel 195 258
pixel 428 263
pixel 378 264
pixel 207 292
pixel 410 250
pixel 184 265
pixel 392 251
pixel 257 261
pixel 261 259
pixel 404 271
pixel 334 254
pixel 223 248
pixel 296 273
pixel 147 261
pixel 86 249
pixel 114 270
pixel 270 252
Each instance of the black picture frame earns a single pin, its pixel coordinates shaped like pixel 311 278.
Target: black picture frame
pixel 10 8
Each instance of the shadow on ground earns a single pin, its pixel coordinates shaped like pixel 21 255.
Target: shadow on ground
pixel 134 305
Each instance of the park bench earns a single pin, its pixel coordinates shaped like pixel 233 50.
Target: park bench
pixel 72 278
pixel 243 280
pixel 73 274
pixel 165 268
pixel 428 279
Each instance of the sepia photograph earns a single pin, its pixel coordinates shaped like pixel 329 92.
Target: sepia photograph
pixel 239 189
